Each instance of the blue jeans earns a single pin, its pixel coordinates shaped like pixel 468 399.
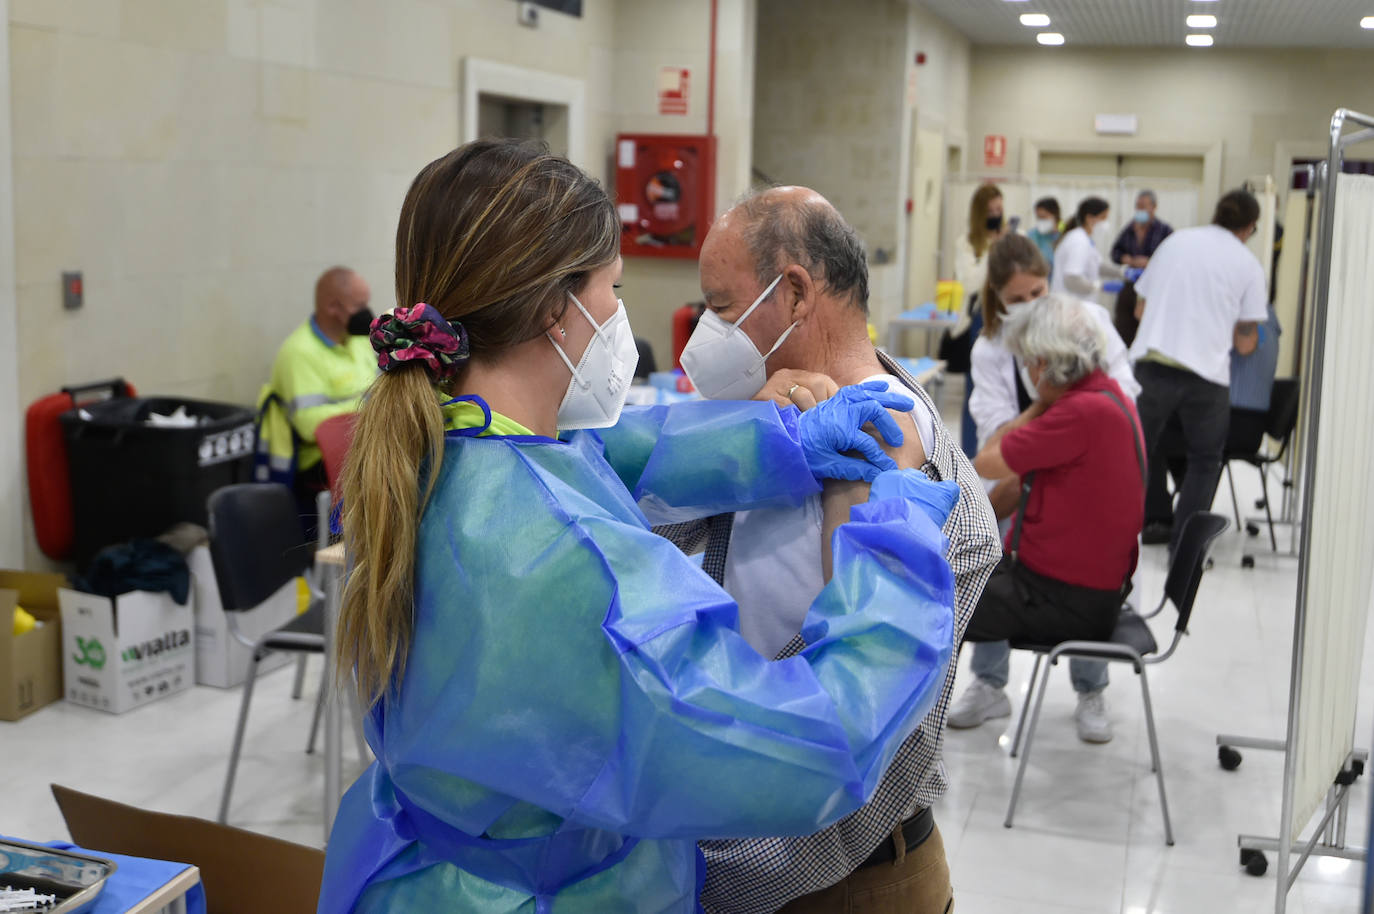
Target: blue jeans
pixel 991 663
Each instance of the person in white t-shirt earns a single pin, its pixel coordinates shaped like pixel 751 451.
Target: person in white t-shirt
pixel 1077 262
pixel 1017 274
pixel 1201 296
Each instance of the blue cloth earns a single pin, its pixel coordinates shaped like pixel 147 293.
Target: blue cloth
pixel 1252 376
pixel 915 367
pixel 927 312
pixel 134 880
pixel 578 708
pixel 1045 242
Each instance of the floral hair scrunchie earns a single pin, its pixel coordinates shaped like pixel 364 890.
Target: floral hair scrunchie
pixel 419 334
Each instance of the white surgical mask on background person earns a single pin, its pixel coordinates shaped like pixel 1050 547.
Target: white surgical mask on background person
pixel 1142 216
pixel 1045 226
pixel 601 380
pixel 720 359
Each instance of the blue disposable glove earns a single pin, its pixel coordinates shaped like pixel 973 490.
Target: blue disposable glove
pixel 1132 273
pixel 835 426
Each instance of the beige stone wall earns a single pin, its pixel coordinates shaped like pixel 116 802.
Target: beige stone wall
pixel 11 497
pixel 1262 105
pixel 650 34
pixel 203 160
pixel 828 105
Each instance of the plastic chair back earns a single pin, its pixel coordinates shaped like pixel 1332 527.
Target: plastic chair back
pixel 647 363
pixel 256 541
pixel 1283 410
pixel 335 436
pixel 1190 561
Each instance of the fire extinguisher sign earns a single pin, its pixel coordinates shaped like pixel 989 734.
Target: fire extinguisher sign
pixel 673 86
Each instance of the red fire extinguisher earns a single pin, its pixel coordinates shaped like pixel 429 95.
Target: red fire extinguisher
pixel 684 322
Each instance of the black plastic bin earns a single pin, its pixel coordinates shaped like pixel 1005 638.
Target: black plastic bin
pixel 131 479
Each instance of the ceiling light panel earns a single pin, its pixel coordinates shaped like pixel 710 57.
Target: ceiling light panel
pixel 1035 20
pixel 1054 39
pixel 1317 24
pixel 1199 41
pixel 1202 22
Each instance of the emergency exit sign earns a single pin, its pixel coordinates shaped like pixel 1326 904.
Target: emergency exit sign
pixel 674 87
pixel 994 150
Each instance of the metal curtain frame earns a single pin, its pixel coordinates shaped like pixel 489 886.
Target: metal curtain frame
pixel 1339 141
pixel 1291 468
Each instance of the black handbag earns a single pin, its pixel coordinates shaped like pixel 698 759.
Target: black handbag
pixel 956 351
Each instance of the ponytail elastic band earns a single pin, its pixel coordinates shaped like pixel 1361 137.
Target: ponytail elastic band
pixel 419 334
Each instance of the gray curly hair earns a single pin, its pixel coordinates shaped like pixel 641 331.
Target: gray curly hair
pixel 1059 331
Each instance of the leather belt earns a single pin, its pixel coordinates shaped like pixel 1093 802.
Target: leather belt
pixel 914 830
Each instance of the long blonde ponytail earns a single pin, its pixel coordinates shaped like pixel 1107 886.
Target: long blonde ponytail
pixel 398 438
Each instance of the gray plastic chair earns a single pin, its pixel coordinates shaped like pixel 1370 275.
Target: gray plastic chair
pixel 258 545
pixel 1131 642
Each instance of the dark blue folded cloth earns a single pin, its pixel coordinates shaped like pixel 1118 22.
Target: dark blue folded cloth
pixel 142 564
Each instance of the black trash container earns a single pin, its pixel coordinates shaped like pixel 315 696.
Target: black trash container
pixel 130 478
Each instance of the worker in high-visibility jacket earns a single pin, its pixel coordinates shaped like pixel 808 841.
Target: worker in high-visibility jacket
pixel 321 371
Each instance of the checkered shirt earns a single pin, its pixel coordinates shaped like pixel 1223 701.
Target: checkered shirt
pixel 760 875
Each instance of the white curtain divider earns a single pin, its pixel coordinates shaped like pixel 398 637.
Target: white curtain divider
pixel 1341 551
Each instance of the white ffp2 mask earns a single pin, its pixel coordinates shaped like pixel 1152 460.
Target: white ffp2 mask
pixel 721 361
pixel 601 380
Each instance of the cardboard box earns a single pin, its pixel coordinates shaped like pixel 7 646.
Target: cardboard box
pixel 31 663
pixel 221 659
pixel 124 652
pixel 241 870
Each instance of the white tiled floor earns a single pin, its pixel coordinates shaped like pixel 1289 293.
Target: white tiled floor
pixel 1088 834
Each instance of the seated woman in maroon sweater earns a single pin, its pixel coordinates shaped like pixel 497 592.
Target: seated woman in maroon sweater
pixel 1072 547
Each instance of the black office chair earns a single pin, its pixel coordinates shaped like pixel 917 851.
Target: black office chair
pixel 1279 424
pixel 1131 643
pixel 258 545
pixel 647 363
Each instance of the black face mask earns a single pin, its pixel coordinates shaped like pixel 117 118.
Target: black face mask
pixel 360 322
pixel 994 223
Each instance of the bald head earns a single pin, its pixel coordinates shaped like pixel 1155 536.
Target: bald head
pixel 783 225
pixel 339 294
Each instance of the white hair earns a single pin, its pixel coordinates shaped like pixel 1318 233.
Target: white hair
pixel 1060 332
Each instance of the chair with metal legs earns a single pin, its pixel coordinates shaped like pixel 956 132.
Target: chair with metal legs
pixel 1131 642
pixel 1282 419
pixel 258 545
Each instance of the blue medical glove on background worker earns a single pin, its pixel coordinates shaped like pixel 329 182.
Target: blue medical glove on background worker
pixel 560 701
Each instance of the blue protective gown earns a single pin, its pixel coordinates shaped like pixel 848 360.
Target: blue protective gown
pixel 578 707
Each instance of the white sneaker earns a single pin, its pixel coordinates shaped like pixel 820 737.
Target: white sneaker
pixel 981 701
pixel 1091 717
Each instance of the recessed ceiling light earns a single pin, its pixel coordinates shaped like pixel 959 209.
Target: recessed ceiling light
pixel 1051 38
pixel 1202 22
pixel 1035 20
pixel 1199 41
pixel 1367 22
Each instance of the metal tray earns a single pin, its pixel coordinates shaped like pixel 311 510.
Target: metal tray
pixel 75 879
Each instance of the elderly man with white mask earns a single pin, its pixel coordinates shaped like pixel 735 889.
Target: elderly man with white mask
pixel 786 287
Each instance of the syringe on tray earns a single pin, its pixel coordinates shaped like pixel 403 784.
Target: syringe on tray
pixel 16 900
